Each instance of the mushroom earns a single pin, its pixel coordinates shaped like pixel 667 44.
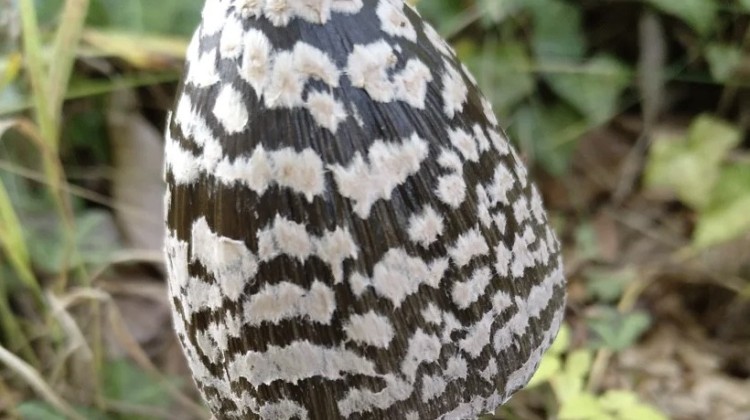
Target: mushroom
pixel 349 232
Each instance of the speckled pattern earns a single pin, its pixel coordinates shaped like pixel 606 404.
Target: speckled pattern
pixel 350 235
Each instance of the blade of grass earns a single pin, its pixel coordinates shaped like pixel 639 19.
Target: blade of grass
pixel 48 87
pixel 32 46
pixel 83 89
pixel 46 134
pixel 12 238
pixel 144 52
pixel 14 245
pixel 67 38
pixel 49 84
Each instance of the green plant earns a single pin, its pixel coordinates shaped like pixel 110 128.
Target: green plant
pixel 566 371
pixel 529 47
pixel 696 166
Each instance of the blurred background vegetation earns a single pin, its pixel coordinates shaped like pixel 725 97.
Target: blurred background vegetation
pixel 632 114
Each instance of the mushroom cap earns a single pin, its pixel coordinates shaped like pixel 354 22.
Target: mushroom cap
pixel 350 234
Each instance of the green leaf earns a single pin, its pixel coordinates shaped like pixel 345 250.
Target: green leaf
pixel 691 165
pixel 442 14
pixel 728 214
pixel 548 368
pixel 642 412
pixel 745 5
pixel 627 406
pixel 583 406
pixel 618 331
pixel 699 14
pixel 562 341
pixel 570 382
pixel 617 400
pixel 503 72
pixel 38 410
pixel 126 382
pixel 723 61
pixel 41 410
pixel 96 238
pixel 587 246
pixel 578 363
pixel 567 387
pixel 594 89
pixel 550 132
pixel 607 285
pixel 557 32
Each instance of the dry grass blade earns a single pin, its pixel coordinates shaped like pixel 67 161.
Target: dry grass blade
pixel 76 340
pixel 35 381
